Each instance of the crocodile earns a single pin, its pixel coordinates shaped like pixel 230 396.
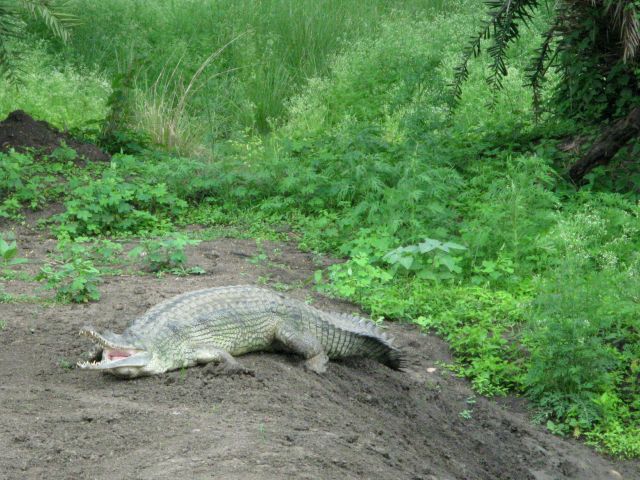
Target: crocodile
pixel 215 324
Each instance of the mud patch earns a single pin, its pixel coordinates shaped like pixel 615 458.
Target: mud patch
pixel 360 420
pixel 21 132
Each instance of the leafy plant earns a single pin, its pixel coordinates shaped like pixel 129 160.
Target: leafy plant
pixel 112 204
pixel 65 364
pixel 76 280
pixel 430 259
pixel 349 279
pixel 9 253
pixel 101 251
pixel 166 255
pixel 28 183
pixel 466 414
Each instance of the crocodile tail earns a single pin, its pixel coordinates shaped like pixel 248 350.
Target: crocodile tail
pixel 381 348
pixel 395 359
pixel 369 341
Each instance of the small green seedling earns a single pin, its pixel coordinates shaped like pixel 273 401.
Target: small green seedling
pixel 466 414
pixel 9 254
pixel 65 364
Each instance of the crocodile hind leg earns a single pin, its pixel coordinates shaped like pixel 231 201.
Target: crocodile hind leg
pixel 220 362
pixel 305 344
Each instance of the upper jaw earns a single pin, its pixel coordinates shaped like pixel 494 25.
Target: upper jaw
pixel 107 340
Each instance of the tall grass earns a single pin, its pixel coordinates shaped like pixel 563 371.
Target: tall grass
pixel 284 43
pixel 64 95
pixel 160 109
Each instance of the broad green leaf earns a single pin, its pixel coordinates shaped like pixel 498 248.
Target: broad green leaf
pixel 453 246
pixel 428 245
pixel 406 262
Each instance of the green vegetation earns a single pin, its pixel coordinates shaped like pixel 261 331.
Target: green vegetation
pixel 76 280
pixel 166 255
pixel 72 275
pixel 9 254
pixel 114 204
pixel 12 26
pixel 454 215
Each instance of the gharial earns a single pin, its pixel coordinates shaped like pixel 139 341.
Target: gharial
pixel 214 324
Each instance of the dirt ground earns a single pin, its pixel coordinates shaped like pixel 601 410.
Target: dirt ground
pixel 360 420
pixel 21 132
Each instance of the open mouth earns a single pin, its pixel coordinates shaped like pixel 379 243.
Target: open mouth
pixel 112 356
pixel 109 354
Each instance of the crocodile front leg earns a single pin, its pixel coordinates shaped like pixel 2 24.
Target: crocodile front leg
pixel 220 362
pixel 305 344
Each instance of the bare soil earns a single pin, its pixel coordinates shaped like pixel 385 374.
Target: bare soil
pixel 360 420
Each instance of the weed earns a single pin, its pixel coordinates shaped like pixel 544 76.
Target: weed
pixel 466 414
pixel 260 258
pixel 65 364
pixel 9 254
pixel 427 259
pixel 111 204
pixel 166 255
pixel 28 183
pixel 76 280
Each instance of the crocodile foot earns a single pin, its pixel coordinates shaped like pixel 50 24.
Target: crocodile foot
pixel 317 363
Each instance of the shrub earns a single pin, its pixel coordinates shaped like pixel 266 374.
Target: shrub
pixel 111 204
pixel 76 280
pixel 166 254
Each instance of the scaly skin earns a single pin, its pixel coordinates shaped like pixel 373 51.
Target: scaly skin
pixel 215 324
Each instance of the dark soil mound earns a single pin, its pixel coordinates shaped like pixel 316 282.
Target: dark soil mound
pixel 21 132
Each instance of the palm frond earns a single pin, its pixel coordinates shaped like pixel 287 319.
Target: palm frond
pixel 503 25
pixel 54 14
pixel 8 63
pixel 625 15
pixel 539 66
pixel 10 23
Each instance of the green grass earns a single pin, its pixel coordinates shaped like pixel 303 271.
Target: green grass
pixel 51 89
pixel 282 44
